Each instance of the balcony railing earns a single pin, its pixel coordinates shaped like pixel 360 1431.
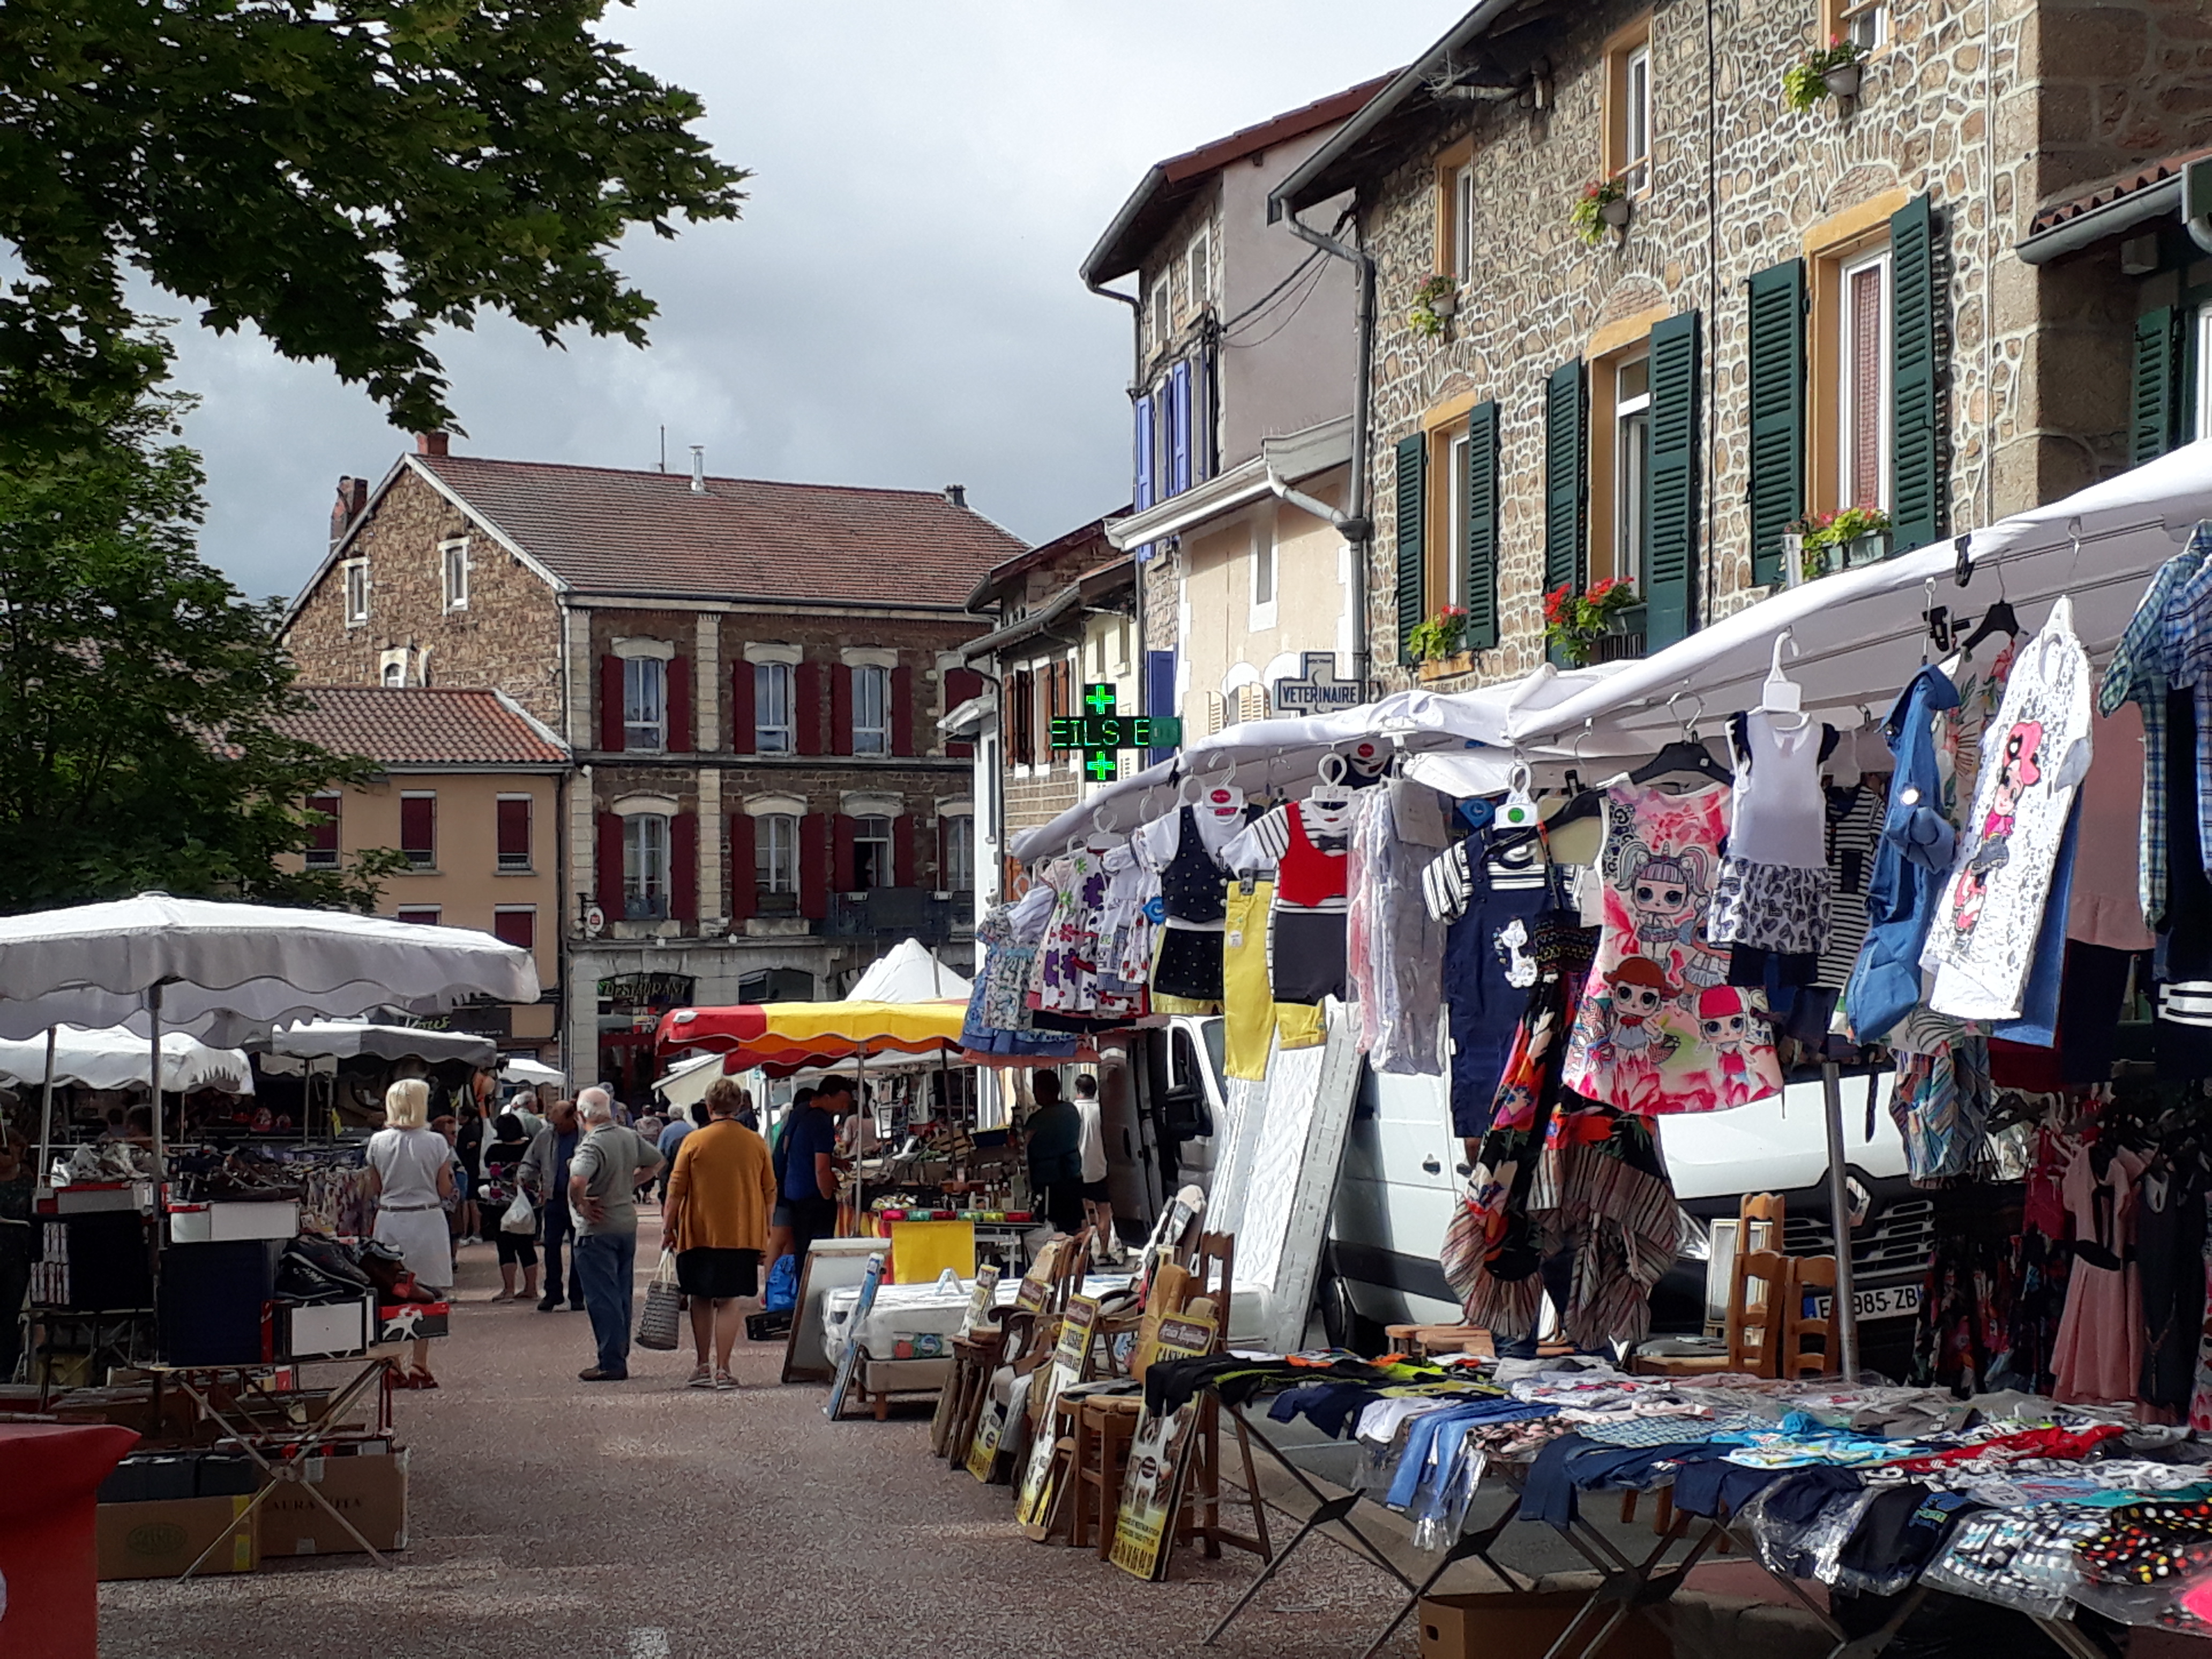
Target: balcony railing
pixel 905 911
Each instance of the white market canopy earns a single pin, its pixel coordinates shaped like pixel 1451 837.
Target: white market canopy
pixel 909 972
pixel 116 1057
pixel 347 1039
pixel 685 1085
pixel 223 970
pixel 529 1073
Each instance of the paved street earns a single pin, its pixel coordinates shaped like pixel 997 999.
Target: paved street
pixel 643 1521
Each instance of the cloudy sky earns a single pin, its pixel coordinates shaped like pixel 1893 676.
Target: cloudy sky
pixel 898 306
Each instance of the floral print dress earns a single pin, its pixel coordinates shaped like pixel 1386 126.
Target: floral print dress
pixel 1660 1029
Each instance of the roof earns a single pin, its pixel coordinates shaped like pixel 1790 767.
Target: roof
pixel 648 534
pixel 1167 186
pixel 995 581
pixel 2119 202
pixel 1374 134
pixel 424 726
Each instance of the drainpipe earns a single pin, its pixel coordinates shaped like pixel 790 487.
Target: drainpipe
pixel 1136 379
pixel 1354 523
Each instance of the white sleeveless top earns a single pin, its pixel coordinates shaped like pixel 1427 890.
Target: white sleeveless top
pixel 1780 816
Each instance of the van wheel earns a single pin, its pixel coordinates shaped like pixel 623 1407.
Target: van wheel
pixel 1340 1320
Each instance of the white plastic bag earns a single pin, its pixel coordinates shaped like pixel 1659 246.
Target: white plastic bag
pixel 519 1217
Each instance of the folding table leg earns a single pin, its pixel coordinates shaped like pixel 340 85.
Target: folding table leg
pixel 1333 1509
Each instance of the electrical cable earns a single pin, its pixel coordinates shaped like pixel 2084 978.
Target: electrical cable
pixel 1289 317
pixel 1296 271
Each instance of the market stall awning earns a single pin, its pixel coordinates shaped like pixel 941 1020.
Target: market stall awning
pixel 346 1039
pixel 1861 635
pixel 528 1073
pixel 115 1057
pixel 791 1034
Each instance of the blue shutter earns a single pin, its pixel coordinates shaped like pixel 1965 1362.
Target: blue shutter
pixel 1179 429
pixel 1159 694
pixel 1144 453
pixel 1669 592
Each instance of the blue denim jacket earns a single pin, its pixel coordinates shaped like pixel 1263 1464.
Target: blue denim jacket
pixel 1911 864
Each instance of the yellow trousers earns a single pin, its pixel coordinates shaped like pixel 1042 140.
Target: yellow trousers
pixel 1250 1014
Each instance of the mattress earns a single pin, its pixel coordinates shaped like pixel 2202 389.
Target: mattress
pixel 925 1316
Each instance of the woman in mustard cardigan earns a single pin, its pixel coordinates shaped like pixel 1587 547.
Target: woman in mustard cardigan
pixel 716 1219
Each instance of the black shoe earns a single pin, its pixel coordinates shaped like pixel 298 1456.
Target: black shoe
pixel 595 1374
pixel 547 1304
pixel 575 1306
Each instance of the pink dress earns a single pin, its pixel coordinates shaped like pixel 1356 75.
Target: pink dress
pixel 1661 1030
pixel 2099 1351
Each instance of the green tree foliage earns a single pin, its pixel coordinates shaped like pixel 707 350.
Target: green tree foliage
pixel 346 175
pixel 142 699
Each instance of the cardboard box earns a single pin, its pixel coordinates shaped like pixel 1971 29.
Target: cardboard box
pixel 329 1328
pixel 403 1322
pixel 368 1487
pixel 160 1540
pixel 1480 1626
pixel 224 1221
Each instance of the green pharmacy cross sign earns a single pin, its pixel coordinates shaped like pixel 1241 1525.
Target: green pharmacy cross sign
pixel 1100 732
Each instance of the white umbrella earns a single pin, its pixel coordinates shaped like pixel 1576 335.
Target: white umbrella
pixel 348 1039
pixel 909 972
pixel 202 964
pixel 115 1058
pixel 530 1072
pixel 684 1086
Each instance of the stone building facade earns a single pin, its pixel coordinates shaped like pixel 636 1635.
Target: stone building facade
pixel 1803 311
pixel 750 679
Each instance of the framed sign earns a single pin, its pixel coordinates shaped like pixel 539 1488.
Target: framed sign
pixel 1160 1458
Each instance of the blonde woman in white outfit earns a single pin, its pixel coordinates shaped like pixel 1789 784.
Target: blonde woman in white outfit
pixel 411 1168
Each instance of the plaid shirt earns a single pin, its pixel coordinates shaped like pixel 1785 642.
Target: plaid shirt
pixel 2169 637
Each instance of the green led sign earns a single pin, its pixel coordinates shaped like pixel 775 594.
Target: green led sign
pixel 1101 731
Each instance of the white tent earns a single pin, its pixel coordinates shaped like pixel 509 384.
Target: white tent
pixel 115 1057
pixel 909 972
pixel 684 1086
pixel 529 1073
pixel 350 1039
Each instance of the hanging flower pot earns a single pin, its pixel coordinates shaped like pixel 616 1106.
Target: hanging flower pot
pixel 1602 206
pixel 1841 80
pixel 1833 71
pixel 1615 212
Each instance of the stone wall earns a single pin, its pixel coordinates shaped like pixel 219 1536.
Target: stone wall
pixel 508 637
pixel 1739 182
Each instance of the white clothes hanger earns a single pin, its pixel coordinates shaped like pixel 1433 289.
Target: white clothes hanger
pixel 1330 794
pixel 1782 696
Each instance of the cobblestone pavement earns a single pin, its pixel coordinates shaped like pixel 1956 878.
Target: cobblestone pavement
pixel 645 1521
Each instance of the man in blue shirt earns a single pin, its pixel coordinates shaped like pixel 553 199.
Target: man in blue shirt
pixel 672 1137
pixel 545 1176
pixel 810 1164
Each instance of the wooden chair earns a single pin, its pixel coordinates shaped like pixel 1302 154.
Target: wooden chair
pixel 1808 1273
pixel 1010 1338
pixel 1212 1268
pixel 1755 1338
pixel 1758 1229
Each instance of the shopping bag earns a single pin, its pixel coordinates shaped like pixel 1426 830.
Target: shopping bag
pixel 659 1324
pixel 783 1294
pixel 519 1217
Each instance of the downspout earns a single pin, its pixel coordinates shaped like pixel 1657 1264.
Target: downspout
pixel 1136 380
pixel 1354 523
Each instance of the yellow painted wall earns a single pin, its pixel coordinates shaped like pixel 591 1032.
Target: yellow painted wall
pixel 1219 630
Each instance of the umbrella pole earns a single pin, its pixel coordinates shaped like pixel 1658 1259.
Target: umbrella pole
pixel 154 1078
pixel 1842 1309
pixel 859 1137
pixel 46 1115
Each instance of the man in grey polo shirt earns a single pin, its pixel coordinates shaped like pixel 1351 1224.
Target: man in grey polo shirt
pixel 611 1162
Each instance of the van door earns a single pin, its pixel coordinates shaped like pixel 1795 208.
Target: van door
pixel 1403 1175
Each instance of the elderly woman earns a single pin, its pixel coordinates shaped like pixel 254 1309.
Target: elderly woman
pixel 411 1172
pixel 716 1219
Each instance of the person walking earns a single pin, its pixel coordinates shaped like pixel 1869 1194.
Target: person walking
pixel 611 1162
pixel 1053 1132
pixel 410 1168
pixel 715 1219
pixel 680 1123
pixel 779 1219
pixel 19 1240
pixel 502 1159
pixel 1097 1200
pixel 545 1178
pixel 810 1167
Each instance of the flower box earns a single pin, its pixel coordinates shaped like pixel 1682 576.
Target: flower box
pixel 1444 668
pixel 1615 213
pixel 1867 549
pixel 1843 81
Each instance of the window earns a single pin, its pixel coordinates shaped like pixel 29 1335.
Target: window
pixel 453 560
pixel 513 832
pixel 1162 330
pixel 645 702
pixel 990 754
pixel 1444 525
pixel 515 924
pixel 1454 585
pixel 322 850
pixel 1021 723
pixel 357 590
pixel 1632 469
pixel 1862 381
pixel 1628 106
pixel 958 874
pixel 1462 222
pixel 421 915
pixel 418 829
pixel 1201 269
pixel 772 701
pixel 1866 21
pixel 872 710
pixel 871 853
pixel 1264 572
pixel 775 862
pixel 2204 344
pixel 395 673
pixel 645 866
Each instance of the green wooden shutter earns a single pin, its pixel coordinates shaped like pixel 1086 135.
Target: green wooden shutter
pixel 1563 455
pixel 1670 589
pixel 1776 470
pixel 2150 410
pixel 1915 479
pixel 1481 551
pixel 1412 539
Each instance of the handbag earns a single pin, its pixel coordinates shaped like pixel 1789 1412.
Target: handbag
pixel 659 1322
pixel 519 1218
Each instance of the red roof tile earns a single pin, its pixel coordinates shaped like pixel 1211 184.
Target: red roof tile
pixel 607 531
pixel 424 725
pixel 2113 190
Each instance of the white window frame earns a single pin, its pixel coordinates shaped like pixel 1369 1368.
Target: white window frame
pixel 395 673
pixel 871 736
pixel 1455 461
pixel 453 572
pixel 1632 479
pixel 646 866
pixel 354 583
pixel 640 673
pixel 1199 261
pixel 1462 225
pixel 2204 372
pixel 1846 435
pixel 887 867
pixel 1265 560
pixel 781 678
pixel 959 845
pixel 1163 304
pixel 1636 118
pixel 1866 22
pixel 776 853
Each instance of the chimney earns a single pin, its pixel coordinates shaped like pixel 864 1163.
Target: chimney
pixel 353 499
pixel 956 494
pixel 698 469
pixel 430 443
